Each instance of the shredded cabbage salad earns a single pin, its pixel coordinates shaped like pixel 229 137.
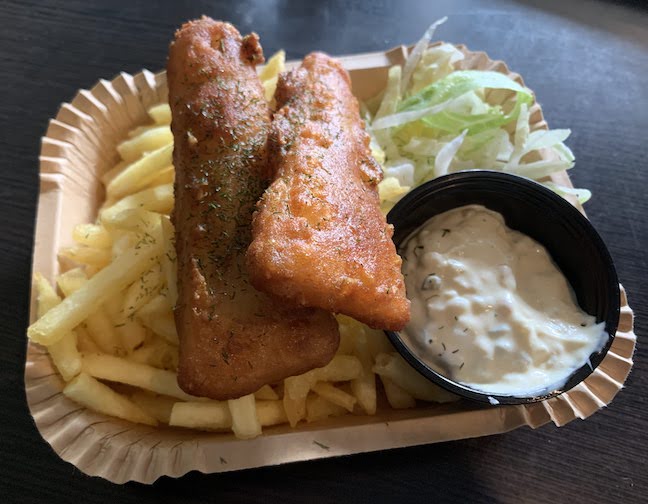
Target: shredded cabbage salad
pixel 435 118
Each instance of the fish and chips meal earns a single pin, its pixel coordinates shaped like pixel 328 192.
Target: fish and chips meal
pixel 241 271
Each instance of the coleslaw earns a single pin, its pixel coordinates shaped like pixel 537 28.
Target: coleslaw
pixel 435 118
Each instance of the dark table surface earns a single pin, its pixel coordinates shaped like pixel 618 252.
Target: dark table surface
pixel 587 62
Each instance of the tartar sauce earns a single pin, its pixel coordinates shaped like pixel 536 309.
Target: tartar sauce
pixel 490 309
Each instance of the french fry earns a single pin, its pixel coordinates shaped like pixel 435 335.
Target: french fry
pixel 113 172
pixel 107 203
pixel 347 340
pixel 104 333
pixel 161 113
pixel 396 396
pixel 334 395
pixel 92 235
pixel 64 352
pixel 351 329
pixel 96 396
pixel 271 413
pixel 378 342
pixel 270 74
pixel 46 297
pixel 266 393
pixel 245 423
pixel 341 368
pixel 394 367
pixel 143 290
pixel 157 406
pixel 166 176
pixel 108 367
pixel 84 342
pixel 135 220
pixel 318 408
pixel 99 258
pixel 114 307
pixel 269 88
pixel 148 141
pixel 156 307
pixel 139 174
pixel 157 353
pixel 208 415
pixel 295 408
pixel 349 324
pixel 275 65
pixel 157 315
pixel 162 325
pixel 140 129
pixel 66 356
pixel 124 240
pixel 157 199
pixel 168 260
pixel 91 271
pixel 98 323
pixel 70 282
pixel 131 334
pixel 114 278
pixel 296 388
pixel 364 387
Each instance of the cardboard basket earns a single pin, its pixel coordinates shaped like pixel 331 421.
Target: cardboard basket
pixel 78 148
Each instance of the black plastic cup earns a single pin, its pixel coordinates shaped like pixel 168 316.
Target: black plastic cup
pixel 539 213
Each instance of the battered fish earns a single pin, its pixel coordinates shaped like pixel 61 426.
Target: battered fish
pixel 319 238
pixel 233 339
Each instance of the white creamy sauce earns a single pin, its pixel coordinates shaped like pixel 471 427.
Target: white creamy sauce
pixel 490 309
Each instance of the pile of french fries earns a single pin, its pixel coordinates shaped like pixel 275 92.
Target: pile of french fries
pixel 113 322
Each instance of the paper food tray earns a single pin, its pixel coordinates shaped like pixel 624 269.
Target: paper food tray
pixel 80 146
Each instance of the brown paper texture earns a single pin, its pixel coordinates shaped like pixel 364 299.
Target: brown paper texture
pixel 78 148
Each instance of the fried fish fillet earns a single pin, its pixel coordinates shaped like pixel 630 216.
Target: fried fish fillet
pixel 319 237
pixel 233 338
